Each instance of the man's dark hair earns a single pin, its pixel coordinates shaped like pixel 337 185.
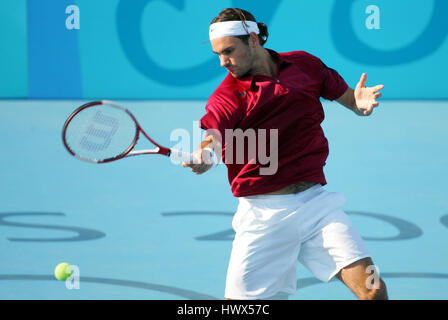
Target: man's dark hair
pixel 235 14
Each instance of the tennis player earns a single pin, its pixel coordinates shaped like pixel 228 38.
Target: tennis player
pixel 285 216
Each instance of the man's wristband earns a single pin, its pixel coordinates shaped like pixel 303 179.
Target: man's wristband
pixel 213 156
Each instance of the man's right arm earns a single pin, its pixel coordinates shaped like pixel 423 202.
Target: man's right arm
pixel 207 155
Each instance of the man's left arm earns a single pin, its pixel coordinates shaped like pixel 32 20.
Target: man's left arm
pixel 363 99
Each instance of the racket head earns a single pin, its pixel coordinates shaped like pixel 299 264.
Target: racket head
pixel 100 131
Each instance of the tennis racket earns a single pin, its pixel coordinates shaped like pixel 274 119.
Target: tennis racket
pixel 104 131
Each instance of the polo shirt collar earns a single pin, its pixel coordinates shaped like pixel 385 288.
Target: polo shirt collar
pixel 249 82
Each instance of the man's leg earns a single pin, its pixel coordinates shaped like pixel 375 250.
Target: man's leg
pixel 278 296
pixel 359 277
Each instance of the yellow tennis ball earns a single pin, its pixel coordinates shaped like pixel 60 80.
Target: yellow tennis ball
pixel 63 271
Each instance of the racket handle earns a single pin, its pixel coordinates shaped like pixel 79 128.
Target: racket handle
pixel 178 155
pixel 213 156
pixel 181 156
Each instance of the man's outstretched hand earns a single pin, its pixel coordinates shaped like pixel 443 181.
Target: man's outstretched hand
pixel 365 97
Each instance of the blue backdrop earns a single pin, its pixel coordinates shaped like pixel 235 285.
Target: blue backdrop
pixel 158 49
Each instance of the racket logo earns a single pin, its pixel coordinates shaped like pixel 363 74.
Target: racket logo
pixel 104 136
pixel 104 131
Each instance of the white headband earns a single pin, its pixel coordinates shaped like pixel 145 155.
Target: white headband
pixel 232 28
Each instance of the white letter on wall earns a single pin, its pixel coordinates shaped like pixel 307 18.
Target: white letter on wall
pixel 373 21
pixel 72 21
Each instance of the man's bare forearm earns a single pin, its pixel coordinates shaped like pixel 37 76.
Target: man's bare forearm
pixel 361 100
pixel 348 100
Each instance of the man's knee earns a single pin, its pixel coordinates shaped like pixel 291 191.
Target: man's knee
pixel 279 296
pixel 378 292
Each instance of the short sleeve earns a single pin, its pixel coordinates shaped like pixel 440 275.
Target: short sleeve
pixel 333 85
pixel 222 112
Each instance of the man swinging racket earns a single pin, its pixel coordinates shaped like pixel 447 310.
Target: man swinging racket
pixel 285 215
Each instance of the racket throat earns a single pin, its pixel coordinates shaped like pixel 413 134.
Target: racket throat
pixel 156 150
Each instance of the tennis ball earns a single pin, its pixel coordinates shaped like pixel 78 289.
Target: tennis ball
pixel 63 271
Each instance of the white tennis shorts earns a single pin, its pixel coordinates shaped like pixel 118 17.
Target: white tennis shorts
pixel 273 232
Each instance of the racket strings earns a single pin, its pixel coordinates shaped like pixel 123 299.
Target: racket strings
pixel 101 132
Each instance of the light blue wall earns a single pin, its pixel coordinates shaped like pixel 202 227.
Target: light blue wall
pixel 13 49
pixel 158 49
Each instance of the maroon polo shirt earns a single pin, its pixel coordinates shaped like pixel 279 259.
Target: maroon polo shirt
pixel 289 103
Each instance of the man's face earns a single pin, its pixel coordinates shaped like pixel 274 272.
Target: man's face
pixel 234 55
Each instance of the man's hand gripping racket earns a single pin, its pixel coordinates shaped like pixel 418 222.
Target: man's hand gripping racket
pixel 104 131
pixel 205 156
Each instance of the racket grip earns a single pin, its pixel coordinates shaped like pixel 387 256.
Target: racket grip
pixel 181 156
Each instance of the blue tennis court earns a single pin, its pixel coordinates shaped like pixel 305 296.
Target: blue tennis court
pixel 144 228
